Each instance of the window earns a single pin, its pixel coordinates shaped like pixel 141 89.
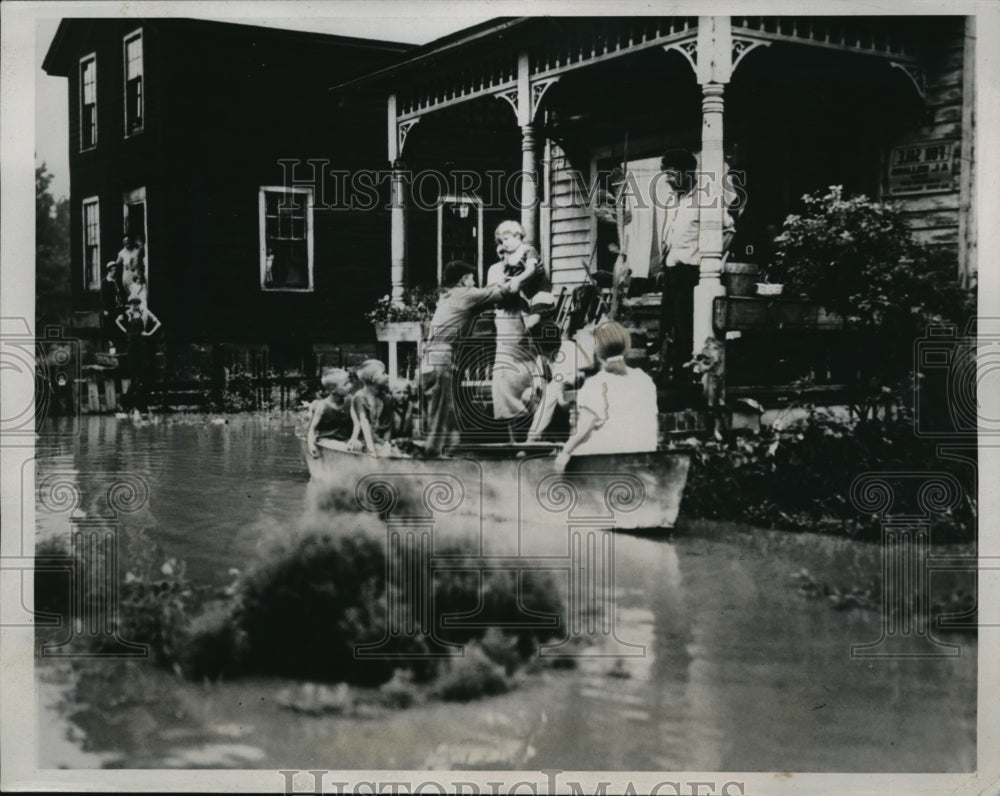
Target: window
pixel 286 242
pixel 88 102
pixel 133 83
pixel 91 244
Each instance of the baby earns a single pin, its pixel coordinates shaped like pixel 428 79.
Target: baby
pixel 519 259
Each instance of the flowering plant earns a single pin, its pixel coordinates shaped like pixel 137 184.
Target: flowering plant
pixel 418 305
pixel 860 259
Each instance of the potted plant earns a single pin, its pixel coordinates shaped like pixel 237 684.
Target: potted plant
pixel 403 322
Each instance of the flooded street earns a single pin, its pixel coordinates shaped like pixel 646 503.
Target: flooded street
pixel 718 660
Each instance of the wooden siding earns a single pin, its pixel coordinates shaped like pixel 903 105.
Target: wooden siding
pixel 934 218
pixel 571 224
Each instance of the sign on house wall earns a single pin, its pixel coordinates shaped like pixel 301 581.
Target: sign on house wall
pixel 922 168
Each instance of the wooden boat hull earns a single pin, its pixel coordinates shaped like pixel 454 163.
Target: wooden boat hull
pixel 501 483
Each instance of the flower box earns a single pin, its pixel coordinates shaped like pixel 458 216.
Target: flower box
pixel 107 360
pixel 399 331
pixel 740 278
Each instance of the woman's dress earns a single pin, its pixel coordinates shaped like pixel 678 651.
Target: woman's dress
pixel 514 364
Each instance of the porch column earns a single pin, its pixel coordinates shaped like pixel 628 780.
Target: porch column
pixel 710 214
pixel 714 67
pixel 529 185
pixel 529 159
pixel 397 206
pixel 398 239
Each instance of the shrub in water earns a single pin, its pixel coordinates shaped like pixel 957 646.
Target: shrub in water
pixel 214 646
pixel 526 604
pixel 305 612
pixel 471 676
pixel 307 609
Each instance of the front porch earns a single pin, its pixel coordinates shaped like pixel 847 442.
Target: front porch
pixel 774 106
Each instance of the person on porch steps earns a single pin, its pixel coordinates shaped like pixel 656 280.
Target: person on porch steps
pixel 681 257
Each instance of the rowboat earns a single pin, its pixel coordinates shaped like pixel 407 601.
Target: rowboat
pixel 491 482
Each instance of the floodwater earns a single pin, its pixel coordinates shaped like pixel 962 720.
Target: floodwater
pixel 716 659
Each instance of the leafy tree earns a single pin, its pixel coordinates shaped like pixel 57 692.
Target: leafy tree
pixel 52 253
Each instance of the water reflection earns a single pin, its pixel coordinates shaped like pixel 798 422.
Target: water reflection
pixel 739 671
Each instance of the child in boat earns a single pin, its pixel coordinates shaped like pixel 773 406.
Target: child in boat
pixel 371 407
pixel 402 395
pixel 616 408
pixel 330 416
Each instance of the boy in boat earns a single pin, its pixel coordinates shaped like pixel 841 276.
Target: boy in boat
pixel 616 408
pixel 458 305
pixel 330 416
pixel 371 407
pixel 401 392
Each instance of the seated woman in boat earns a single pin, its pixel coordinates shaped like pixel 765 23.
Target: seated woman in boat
pixel 330 416
pixel 371 407
pixel 616 408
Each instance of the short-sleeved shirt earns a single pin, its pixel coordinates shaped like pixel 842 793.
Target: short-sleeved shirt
pixel 681 227
pixel 626 412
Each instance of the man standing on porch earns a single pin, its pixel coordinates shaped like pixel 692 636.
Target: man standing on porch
pixel 681 259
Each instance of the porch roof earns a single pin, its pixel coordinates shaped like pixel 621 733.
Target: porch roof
pixel 446 45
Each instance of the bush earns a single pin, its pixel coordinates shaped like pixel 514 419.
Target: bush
pixel 305 610
pixel 156 602
pixel 860 259
pixel 471 676
pixel 214 645
pixel 799 477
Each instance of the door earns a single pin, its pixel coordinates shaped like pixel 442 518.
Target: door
pixel 135 225
pixel 460 230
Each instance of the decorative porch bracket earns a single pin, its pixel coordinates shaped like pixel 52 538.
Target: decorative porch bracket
pixel 511 96
pixel 742 45
pixel 537 93
pixel 916 74
pixel 403 130
pixel 688 48
pixel 538 89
